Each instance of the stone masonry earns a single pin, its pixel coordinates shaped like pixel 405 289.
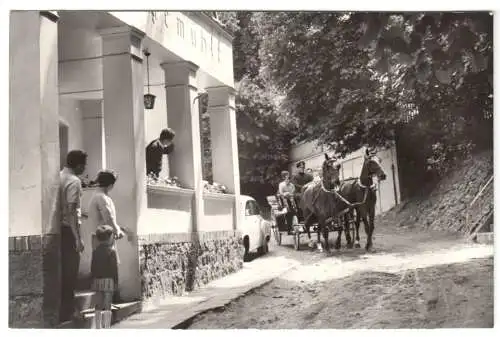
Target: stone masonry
pixel 171 264
pixel 34 281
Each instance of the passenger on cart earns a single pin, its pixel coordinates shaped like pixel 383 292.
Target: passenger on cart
pixel 299 180
pixel 286 192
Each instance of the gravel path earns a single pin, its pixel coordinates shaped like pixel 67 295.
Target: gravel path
pixel 412 279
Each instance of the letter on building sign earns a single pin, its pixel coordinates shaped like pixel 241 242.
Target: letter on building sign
pixel 218 50
pixel 212 44
pixel 203 43
pixel 180 28
pixel 165 19
pixel 193 37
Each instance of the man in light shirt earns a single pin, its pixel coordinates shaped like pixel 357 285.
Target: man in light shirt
pixel 70 193
pixel 287 190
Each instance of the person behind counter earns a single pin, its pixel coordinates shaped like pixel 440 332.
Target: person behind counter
pixel 156 149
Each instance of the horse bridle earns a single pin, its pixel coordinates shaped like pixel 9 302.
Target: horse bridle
pixel 327 190
pixel 350 205
pixel 364 186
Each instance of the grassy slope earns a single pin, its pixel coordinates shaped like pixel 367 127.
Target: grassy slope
pixel 445 207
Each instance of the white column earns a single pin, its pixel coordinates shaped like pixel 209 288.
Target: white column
pixel 93 129
pixel 34 257
pixel 123 108
pixel 223 133
pixel 183 118
pixel 34 123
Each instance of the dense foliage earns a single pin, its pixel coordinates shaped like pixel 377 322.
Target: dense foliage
pixel 424 80
pixel 357 78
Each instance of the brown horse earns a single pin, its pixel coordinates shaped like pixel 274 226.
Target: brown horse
pixel 361 193
pixel 319 201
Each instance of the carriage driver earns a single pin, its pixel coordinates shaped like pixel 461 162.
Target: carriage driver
pixel 299 180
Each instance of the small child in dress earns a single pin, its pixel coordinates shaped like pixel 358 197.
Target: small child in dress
pixel 104 270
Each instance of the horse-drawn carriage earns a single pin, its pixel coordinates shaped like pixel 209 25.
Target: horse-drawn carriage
pixel 287 219
pixel 328 205
pixel 282 211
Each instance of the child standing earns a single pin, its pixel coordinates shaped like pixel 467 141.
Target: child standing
pixel 104 270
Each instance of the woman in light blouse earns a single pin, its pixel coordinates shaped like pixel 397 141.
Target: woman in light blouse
pixel 102 208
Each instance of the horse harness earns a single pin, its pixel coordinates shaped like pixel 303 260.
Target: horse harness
pixel 349 205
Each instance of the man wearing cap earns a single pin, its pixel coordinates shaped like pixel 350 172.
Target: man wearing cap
pixel 300 179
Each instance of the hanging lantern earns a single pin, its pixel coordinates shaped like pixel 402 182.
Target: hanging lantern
pixel 149 99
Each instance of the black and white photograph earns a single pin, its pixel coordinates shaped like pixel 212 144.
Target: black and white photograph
pixel 193 169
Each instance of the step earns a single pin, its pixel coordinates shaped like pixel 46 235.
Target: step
pixel 84 300
pixel 485 238
pixel 121 312
pixel 85 304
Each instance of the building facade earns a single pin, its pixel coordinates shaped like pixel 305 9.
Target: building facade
pixel 388 192
pixel 77 80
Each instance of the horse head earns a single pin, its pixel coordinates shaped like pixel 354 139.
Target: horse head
pixel 331 171
pixel 374 164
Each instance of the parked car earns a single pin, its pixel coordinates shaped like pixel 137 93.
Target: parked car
pixel 256 231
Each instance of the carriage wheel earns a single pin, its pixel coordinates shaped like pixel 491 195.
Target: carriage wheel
pixel 296 241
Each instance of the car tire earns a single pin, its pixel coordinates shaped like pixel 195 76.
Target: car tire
pixel 264 249
pixel 246 245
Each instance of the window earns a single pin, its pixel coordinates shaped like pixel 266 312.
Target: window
pixel 251 208
pixel 180 28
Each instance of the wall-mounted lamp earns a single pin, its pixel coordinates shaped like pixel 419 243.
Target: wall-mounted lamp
pixel 149 99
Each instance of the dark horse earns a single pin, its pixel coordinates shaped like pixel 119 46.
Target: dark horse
pixel 362 195
pixel 319 201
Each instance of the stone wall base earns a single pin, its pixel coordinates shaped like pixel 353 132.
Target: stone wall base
pixel 34 281
pixel 171 264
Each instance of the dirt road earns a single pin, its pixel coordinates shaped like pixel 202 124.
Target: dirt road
pixel 413 279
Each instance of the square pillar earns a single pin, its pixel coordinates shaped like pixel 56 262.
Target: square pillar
pixel 34 258
pixel 93 136
pixel 183 118
pixel 223 133
pixel 123 109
